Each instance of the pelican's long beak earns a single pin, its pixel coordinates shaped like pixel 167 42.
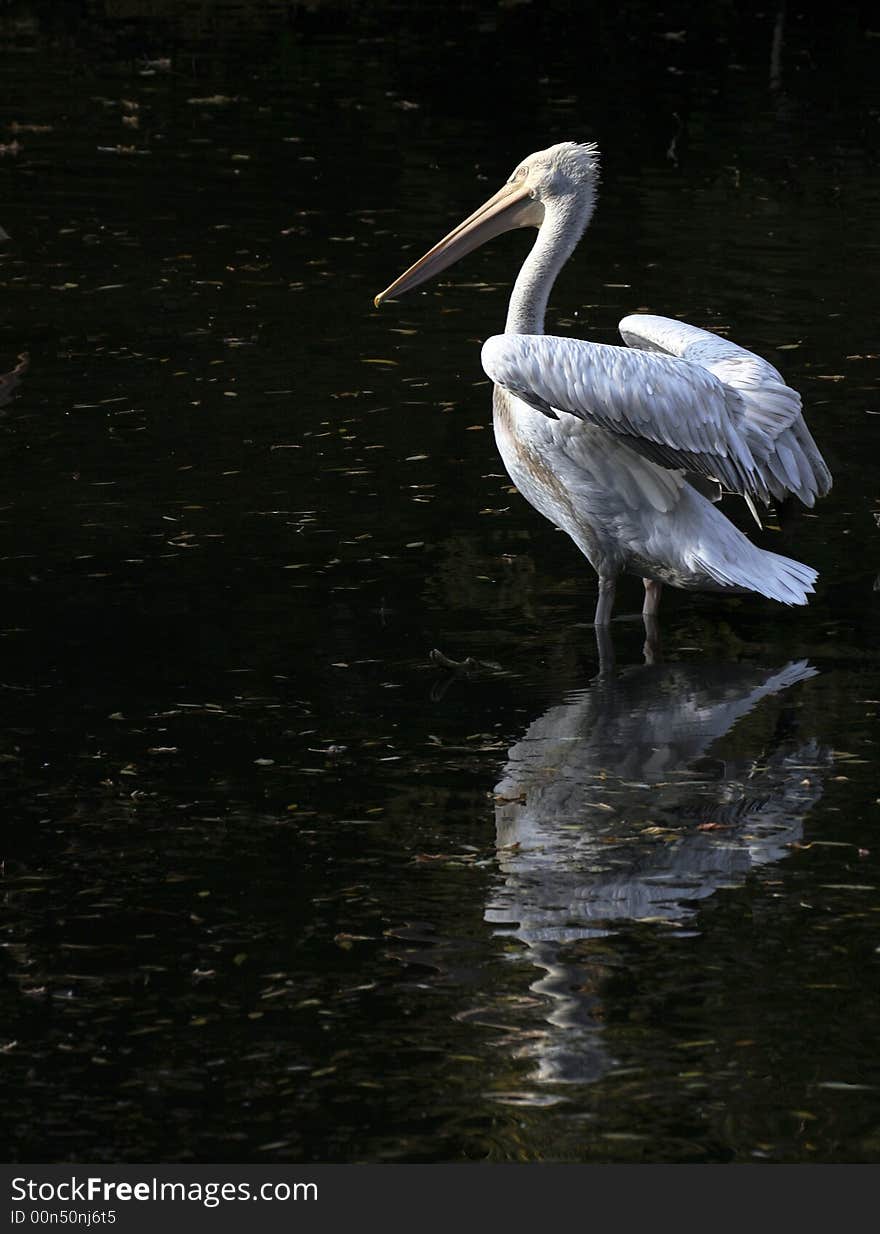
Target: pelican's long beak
pixel 510 207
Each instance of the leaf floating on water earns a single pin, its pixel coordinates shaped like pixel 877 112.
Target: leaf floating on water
pixel 370 360
pixel 539 1100
pixel 345 940
pixel 847 887
pixel 214 100
pixel 121 150
pixel 15 126
pixel 843 1086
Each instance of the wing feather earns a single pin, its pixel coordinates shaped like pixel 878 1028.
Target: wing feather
pixel 668 410
pixel 766 412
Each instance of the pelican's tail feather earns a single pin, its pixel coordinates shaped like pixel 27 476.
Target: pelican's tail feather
pixel 778 578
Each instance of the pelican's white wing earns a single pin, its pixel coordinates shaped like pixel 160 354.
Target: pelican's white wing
pixel 669 410
pixel 766 411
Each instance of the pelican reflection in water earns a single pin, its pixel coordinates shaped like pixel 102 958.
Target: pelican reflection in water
pixel 624 804
pixel 628 448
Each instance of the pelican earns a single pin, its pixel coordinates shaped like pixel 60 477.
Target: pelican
pixel 628 449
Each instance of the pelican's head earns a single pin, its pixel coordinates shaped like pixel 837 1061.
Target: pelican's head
pixel 557 183
pixel 566 170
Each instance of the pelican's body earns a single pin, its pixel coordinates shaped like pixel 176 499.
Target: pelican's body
pixel 626 448
pixel 626 515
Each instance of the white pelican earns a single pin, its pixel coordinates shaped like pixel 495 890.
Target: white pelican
pixel 627 450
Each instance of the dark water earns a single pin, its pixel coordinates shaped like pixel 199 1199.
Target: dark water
pixel 276 887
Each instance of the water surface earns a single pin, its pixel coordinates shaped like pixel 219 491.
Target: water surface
pixel 279 888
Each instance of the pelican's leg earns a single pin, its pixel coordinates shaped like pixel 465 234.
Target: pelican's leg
pixel 652 597
pixel 606 601
pixel 651 649
pixel 605 648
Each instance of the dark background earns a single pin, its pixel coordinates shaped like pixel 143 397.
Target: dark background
pixel 255 881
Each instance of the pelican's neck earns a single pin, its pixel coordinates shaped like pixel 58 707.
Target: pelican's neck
pixel 564 223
